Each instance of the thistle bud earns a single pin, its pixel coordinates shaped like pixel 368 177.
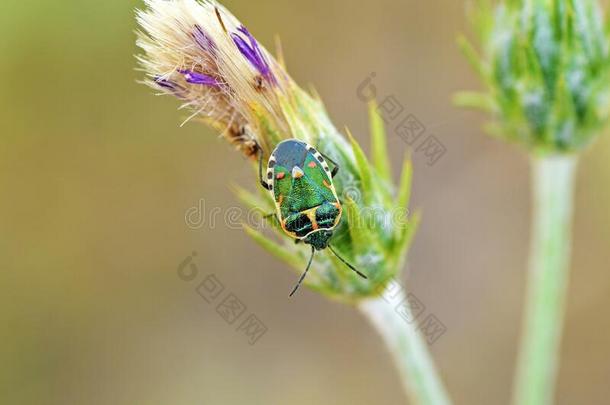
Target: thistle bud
pixel 546 69
pixel 201 54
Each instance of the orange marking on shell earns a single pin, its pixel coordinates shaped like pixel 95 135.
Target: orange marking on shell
pixel 280 175
pixel 312 218
pixel 326 183
pixel 312 164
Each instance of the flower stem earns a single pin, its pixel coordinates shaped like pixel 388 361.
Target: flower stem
pixel 553 184
pixel 409 351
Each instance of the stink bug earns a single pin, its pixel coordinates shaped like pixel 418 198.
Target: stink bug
pixel 307 207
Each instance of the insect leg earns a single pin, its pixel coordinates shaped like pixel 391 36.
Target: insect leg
pixel 345 262
pixel 296 287
pixel 260 170
pixel 335 170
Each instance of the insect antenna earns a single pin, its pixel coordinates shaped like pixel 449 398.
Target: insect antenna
pixel 346 263
pixel 296 287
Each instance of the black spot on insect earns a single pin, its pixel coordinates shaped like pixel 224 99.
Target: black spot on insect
pixel 270 175
pixel 320 158
pixel 300 225
pixel 311 149
pixel 326 215
pixel 271 164
pixel 327 169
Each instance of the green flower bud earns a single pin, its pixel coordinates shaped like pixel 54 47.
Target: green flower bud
pixel 198 52
pixel 546 69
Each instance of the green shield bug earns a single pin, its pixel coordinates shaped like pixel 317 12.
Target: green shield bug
pixel 307 206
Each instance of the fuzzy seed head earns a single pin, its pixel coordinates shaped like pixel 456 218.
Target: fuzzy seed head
pixel 200 53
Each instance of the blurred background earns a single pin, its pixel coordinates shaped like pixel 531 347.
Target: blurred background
pixel 96 177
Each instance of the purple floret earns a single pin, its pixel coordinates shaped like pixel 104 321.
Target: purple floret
pixel 199 78
pixel 166 84
pixel 174 88
pixel 253 53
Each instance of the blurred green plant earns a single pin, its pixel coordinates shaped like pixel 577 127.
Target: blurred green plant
pixel 546 72
pixel 200 53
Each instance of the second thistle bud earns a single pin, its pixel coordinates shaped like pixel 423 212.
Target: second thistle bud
pixel 546 68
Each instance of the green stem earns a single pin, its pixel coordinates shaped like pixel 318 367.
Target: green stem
pixel 553 182
pixel 409 351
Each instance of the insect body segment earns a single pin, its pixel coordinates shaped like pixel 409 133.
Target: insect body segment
pixel 301 184
pixel 300 181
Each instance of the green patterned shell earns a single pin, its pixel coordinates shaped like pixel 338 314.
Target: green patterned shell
pixel 301 184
